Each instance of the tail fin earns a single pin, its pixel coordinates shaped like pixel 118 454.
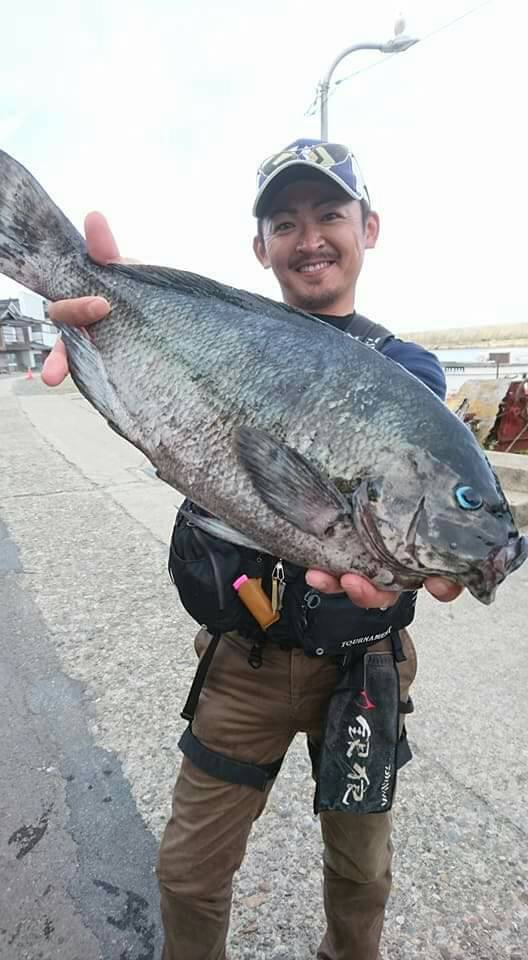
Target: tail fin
pixel 33 231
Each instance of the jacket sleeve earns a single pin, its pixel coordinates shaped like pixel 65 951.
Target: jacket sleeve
pixel 420 362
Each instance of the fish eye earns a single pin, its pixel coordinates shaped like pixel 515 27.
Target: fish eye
pixel 468 498
pixel 373 490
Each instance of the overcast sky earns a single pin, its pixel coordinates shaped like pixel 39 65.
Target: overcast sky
pixel 158 112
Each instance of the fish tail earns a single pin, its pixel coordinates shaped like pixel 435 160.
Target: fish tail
pixel 34 233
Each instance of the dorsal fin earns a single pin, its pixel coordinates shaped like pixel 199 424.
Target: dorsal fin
pixel 195 284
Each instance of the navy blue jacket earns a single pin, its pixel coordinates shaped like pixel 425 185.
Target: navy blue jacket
pixel 424 365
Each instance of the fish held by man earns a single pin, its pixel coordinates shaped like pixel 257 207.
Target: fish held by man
pixel 302 441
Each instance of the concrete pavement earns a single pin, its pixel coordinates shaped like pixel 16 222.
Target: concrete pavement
pixel 96 659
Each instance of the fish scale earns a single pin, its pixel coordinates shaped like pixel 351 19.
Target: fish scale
pixel 299 439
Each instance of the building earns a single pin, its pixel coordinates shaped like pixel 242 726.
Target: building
pixel 24 340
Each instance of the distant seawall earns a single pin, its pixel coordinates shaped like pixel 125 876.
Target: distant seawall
pixel 500 336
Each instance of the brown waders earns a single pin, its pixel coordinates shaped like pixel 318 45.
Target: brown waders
pixel 252 716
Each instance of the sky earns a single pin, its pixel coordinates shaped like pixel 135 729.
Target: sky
pixel 158 112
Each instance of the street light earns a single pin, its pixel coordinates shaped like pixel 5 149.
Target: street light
pixel 397 44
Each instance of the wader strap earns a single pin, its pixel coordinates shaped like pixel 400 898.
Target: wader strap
pixel 397 648
pixel 199 678
pixel 224 768
pixel 403 751
pixel 407 707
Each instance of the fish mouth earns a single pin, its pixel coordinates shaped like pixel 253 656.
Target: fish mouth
pixel 482 581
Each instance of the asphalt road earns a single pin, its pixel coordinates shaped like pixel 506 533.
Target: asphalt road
pixel 95 661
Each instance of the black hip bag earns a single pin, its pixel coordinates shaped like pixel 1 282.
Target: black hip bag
pixel 331 625
pixel 204 569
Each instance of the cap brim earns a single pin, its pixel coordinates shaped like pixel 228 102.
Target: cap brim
pixel 285 168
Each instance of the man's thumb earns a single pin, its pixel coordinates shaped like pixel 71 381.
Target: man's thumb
pixel 100 240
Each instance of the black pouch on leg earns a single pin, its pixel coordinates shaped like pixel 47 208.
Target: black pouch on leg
pixel 357 763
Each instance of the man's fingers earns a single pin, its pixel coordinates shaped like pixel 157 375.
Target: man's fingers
pixel 80 312
pixel 365 594
pixel 442 589
pixel 100 240
pixel 360 590
pixel 55 367
pixel 322 581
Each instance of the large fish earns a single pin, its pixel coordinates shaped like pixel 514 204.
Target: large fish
pixel 301 440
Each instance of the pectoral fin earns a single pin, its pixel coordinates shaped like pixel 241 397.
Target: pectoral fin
pixel 217 528
pixel 289 484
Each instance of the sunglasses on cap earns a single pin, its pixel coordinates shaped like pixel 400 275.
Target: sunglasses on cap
pixel 335 160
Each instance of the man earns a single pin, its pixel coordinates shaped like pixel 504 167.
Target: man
pixel 314 223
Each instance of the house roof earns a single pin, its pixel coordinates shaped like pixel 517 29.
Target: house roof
pixel 10 314
pixel 10 309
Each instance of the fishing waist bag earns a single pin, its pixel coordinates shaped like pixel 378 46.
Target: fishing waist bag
pixel 204 568
pixel 329 624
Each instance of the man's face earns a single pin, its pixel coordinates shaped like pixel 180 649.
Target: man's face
pixel 314 241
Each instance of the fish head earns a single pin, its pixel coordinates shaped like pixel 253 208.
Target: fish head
pixel 424 518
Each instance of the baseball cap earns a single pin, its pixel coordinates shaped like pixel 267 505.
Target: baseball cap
pixel 333 160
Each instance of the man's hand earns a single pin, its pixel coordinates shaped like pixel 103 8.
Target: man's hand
pixel 365 594
pixel 82 312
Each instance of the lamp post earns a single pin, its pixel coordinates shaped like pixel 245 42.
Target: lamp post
pixel 397 44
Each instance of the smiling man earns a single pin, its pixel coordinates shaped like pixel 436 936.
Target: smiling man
pixel 314 224
pixel 313 234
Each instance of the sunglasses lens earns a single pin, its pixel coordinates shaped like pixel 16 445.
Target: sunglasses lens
pixel 321 154
pixel 335 158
